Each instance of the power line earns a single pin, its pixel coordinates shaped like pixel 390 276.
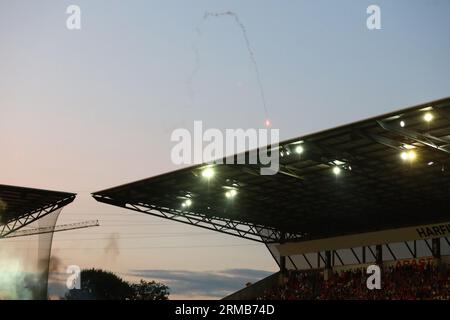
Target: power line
pixel 110 220
pixel 149 233
pixel 119 238
pixel 156 247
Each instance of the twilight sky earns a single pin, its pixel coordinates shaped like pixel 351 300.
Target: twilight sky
pixel 90 109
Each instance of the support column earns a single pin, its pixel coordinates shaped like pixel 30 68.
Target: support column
pixel 328 269
pixel 283 258
pixel 379 254
pixel 283 264
pixel 328 259
pixel 415 249
pixel 436 248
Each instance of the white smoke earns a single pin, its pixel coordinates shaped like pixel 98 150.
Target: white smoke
pixel 15 282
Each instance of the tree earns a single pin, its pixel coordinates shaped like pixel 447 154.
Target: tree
pixel 152 290
pixel 97 284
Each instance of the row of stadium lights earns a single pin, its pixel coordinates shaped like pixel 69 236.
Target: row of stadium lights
pixel 208 173
pixel 428 117
pixel 299 150
pixel 410 155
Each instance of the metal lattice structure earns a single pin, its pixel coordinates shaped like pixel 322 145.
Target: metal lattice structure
pixel 53 229
pixel 222 225
pixel 20 206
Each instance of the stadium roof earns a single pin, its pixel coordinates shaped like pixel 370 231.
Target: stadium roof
pixel 20 206
pixel 394 171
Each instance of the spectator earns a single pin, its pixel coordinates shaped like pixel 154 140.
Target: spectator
pixel 403 282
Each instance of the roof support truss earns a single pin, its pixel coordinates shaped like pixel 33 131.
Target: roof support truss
pixel 31 217
pixel 236 228
pixel 423 138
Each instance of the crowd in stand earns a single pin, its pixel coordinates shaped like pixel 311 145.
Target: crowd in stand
pixel 401 282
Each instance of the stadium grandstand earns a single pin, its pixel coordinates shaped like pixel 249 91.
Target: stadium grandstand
pixel 33 213
pixel 370 192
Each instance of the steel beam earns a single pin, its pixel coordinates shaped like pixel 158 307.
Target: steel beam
pixel 446 239
pixel 239 229
pixel 355 255
pixel 390 251
pixel 423 138
pixel 339 257
pixel 307 261
pixel 54 229
pixel 413 253
pixel 31 217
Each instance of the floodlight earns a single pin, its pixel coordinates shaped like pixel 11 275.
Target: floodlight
pixel 336 170
pixel 299 149
pixel 428 117
pixel 208 173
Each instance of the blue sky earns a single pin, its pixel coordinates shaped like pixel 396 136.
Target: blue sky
pixel 90 109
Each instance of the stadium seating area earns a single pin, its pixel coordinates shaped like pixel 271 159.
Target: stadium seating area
pixel 403 282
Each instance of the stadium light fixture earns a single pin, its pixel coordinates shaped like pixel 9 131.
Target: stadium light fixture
pixel 231 193
pixel 428 117
pixel 187 203
pixel 410 155
pixel 208 173
pixel 430 163
pixel 336 171
pixel 299 149
pixel 402 124
pixel 404 155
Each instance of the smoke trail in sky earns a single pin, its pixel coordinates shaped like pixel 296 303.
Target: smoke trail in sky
pixel 55 264
pixel 112 247
pixel 249 49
